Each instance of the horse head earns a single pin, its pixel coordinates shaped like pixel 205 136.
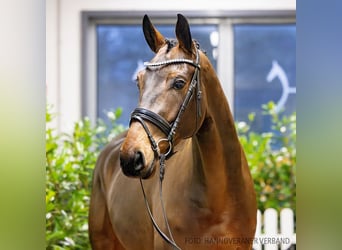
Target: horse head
pixel 171 104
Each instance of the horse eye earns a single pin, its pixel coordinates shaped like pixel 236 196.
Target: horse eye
pixel 178 84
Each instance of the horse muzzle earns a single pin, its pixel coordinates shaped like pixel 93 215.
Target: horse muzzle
pixel 136 156
pixel 134 165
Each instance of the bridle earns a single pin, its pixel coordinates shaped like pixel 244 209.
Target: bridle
pixel 169 129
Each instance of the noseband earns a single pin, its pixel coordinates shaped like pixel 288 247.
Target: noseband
pixel 169 129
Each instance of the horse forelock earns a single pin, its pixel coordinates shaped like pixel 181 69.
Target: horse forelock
pixel 171 43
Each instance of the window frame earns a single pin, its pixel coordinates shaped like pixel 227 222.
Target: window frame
pixel 225 20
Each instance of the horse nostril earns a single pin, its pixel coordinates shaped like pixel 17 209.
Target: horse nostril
pixel 138 161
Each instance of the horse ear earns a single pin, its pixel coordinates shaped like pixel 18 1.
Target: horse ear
pixel 153 37
pixel 183 34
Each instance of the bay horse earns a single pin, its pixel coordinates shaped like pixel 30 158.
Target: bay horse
pixel 182 126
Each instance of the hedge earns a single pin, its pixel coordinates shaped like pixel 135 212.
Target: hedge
pixel 71 157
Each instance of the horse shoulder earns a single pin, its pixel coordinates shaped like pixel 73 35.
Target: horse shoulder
pixel 101 232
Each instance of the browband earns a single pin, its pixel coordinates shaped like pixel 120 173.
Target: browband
pixel 172 61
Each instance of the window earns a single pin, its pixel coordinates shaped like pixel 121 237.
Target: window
pixel 265 70
pixel 254 59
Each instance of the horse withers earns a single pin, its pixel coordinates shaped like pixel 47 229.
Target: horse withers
pixel 179 164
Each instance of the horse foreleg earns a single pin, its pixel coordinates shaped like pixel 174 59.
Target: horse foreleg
pixel 100 228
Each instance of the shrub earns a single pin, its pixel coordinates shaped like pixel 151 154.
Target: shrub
pixel 272 159
pixel 70 160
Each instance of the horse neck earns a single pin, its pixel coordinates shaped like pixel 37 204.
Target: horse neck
pixel 218 158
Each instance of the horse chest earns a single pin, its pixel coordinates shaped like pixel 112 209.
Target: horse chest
pixel 128 215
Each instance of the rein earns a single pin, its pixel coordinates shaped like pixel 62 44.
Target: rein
pixel 169 129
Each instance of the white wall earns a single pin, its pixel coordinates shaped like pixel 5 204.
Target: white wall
pixel 52 54
pixel 63 40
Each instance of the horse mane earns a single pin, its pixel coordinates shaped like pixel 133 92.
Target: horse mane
pixel 173 42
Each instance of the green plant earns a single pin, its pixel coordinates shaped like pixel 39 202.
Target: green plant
pixel 70 160
pixel 272 159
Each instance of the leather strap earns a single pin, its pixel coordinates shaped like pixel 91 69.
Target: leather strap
pixel 154 118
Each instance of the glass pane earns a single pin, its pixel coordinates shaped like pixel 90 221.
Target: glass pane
pixel 121 52
pixel 265 70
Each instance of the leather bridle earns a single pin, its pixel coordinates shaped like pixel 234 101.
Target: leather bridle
pixel 169 129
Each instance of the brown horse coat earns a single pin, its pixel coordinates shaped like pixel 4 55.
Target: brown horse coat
pixel 207 190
